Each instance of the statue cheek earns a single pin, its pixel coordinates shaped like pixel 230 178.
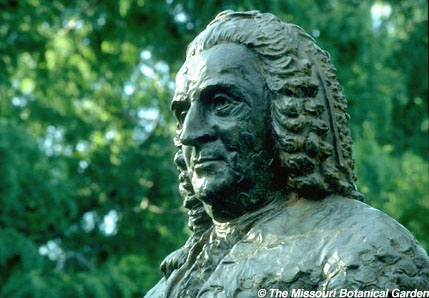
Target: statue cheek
pixel 248 139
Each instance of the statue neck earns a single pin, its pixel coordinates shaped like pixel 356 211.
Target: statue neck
pixel 235 228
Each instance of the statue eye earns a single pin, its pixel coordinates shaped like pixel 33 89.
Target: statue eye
pixel 222 102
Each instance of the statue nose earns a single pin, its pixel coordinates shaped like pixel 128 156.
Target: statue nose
pixel 196 127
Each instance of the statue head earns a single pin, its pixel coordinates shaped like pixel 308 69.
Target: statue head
pixel 259 112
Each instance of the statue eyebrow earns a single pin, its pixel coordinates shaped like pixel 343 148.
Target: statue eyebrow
pixel 179 103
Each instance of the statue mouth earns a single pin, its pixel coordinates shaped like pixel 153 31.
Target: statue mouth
pixel 206 164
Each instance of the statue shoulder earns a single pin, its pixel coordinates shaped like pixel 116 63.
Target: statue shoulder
pixel 344 219
pixel 336 243
pixel 374 251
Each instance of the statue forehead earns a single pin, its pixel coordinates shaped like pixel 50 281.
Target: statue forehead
pixel 224 60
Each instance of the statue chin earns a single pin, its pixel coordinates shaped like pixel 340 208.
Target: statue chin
pixel 217 193
pixel 227 193
pixel 208 209
pixel 219 214
pixel 216 209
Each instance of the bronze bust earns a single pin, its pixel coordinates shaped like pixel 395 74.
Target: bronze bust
pixel 266 171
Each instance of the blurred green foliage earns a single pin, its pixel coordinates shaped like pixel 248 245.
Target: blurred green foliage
pixel 88 189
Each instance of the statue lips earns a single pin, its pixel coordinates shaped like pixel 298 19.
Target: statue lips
pixel 206 164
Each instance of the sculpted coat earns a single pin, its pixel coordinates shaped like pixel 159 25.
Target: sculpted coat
pixel 266 171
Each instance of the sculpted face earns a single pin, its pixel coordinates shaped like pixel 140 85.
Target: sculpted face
pixel 221 107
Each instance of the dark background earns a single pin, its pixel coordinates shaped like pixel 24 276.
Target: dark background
pixel 88 191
